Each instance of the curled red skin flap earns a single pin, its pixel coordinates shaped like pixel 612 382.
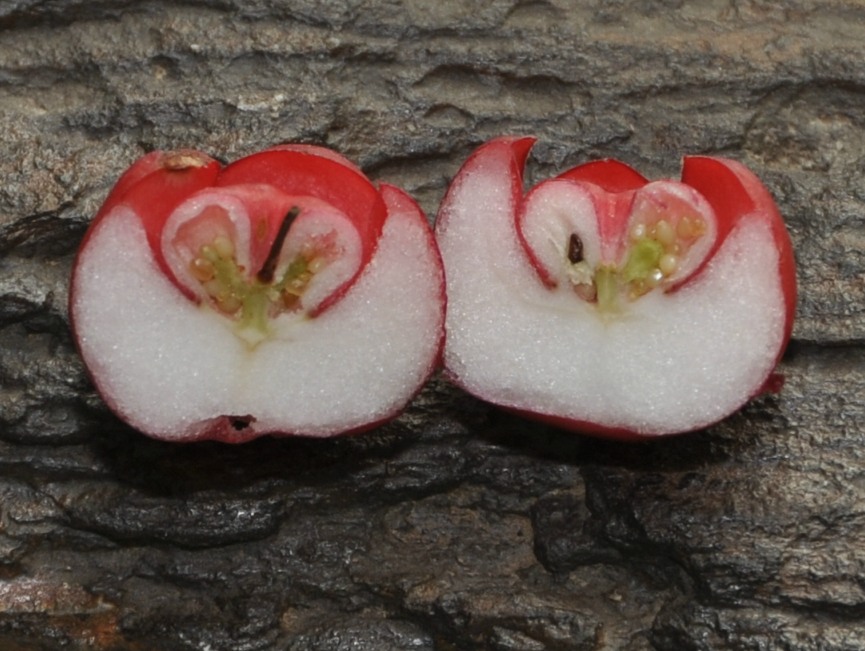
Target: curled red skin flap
pixel 610 175
pixel 513 149
pixel 736 193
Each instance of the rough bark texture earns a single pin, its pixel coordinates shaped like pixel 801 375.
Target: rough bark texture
pixel 456 526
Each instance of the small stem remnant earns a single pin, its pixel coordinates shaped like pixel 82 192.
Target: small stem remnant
pixel 265 275
pixel 607 285
pixel 183 159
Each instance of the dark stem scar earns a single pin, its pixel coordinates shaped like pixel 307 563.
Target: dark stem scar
pixel 239 423
pixel 265 275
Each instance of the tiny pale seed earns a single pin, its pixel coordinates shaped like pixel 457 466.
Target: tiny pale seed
pixel 668 264
pixel 316 264
pixel 664 233
pixel 229 303
pixel 654 278
pixel 201 269
pixel 223 246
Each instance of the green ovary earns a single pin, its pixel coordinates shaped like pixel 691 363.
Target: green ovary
pixel 642 261
pixel 607 287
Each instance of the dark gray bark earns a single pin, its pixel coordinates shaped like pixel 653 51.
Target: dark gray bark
pixel 456 526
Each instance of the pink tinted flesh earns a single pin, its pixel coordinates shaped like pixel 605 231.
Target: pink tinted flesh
pixel 613 186
pixel 306 170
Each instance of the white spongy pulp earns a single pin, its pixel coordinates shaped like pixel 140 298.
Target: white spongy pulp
pixel 667 363
pixel 169 366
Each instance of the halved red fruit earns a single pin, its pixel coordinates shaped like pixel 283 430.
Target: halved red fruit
pixel 282 294
pixel 609 304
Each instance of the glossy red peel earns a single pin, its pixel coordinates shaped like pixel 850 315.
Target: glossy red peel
pixel 606 303
pixel 610 175
pixel 303 171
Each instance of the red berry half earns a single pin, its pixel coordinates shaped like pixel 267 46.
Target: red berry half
pixel 609 304
pixel 281 294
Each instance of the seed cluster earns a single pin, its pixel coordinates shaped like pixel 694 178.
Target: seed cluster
pixel 657 249
pixel 234 293
pixel 654 254
pixel 297 277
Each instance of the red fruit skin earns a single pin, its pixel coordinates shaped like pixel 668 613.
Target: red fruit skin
pixel 733 191
pixel 181 163
pixel 157 183
pixel 608 174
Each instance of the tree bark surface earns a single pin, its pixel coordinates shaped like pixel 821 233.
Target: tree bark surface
pixel 456 526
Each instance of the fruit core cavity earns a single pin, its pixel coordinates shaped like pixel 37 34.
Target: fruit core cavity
pixel 652 257
pixel 253 300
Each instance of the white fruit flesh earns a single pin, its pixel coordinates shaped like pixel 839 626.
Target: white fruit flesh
pixel 667 362
pixel 172 368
